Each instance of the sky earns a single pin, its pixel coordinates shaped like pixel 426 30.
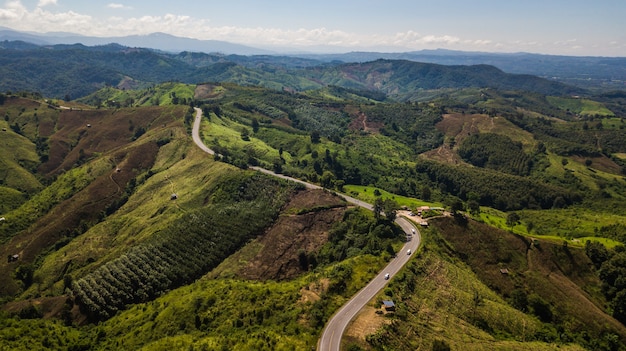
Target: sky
pixel 562 27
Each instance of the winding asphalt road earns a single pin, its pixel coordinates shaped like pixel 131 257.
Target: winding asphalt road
pixel 331 336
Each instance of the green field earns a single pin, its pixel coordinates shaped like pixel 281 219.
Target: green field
pixel 582 107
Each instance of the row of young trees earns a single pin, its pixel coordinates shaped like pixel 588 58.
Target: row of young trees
pixel 197 242
pixel 502 191
pixel 495 151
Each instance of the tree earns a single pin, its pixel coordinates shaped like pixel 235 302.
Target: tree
pixel 597 253
pixel 328 179
pixel 455 206
pixel 473 207
pixel 426 194
pixel 512 219
pixel 255 125
pixel 378 208
pixel 540 308
pixel 278 166
pixel 390 208
pixel 559 202
pixel 519 299
pixel 245 134
pixel 315 137
pixel 440 345
pixel 529 227
pixel 619 306
pixel 25 273
pixel 477 301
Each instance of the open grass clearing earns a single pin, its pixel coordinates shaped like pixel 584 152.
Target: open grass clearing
pixel 367 194
pixel 580 106
pixel 574 225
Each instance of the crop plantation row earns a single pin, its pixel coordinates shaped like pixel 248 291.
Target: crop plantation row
pixel 197 242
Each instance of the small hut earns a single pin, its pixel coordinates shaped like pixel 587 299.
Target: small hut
pixel 389 306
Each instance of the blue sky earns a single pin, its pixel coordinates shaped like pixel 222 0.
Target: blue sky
pixel 574 27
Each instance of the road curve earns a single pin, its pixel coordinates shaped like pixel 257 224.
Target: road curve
pixel 335 327
pixel 195 132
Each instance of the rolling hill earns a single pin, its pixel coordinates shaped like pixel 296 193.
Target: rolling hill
pixel 73 71
pixel 128 236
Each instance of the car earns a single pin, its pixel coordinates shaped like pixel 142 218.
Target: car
pixel 413 230
pixel 408 252
pixel 387 276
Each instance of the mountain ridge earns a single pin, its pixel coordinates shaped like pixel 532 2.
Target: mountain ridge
pixel 596 72
pixel 76 70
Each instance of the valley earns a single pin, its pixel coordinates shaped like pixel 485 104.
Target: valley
pixel 127 233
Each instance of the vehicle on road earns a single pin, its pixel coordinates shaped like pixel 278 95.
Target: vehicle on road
pixel 408 252
pixel 386 276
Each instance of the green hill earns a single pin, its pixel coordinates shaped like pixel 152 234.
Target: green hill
pixel 74 71
pixel 131 237
pixel 479 288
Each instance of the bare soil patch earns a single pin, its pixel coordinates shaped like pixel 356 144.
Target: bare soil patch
pixel 206 91
pixel 460 125
pixel 302 230
pixel 48 307
pixel 367 322
pixel 360 122
pixel 82 134
pixel 601 163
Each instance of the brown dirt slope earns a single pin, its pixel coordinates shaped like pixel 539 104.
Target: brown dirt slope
pixel 82 134
pixel 301 229
pixel 109 136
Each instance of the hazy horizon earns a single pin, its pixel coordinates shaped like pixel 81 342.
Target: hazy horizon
pixel 574 28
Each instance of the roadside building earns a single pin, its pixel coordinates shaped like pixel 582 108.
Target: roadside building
pixel 389 306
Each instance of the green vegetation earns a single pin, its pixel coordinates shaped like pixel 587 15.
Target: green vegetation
pixel 496 152
pixel 612 271
pixel 192 245
pixel 455 294
pixel 583 107
pixel 117 218
pixel 502 191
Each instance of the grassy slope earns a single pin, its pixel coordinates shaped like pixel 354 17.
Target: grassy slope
pixel 582 107
pixel 79 197
pixel 454 292
pixel 182 169
pixel 18 157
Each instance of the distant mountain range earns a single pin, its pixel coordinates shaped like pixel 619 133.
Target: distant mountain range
pixel 604 73
pixel 157 41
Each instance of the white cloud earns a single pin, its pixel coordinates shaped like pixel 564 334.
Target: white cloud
pixel 117 6
pixel 432 39
pixel 43 3
pixel 13 11
pixel 15 15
